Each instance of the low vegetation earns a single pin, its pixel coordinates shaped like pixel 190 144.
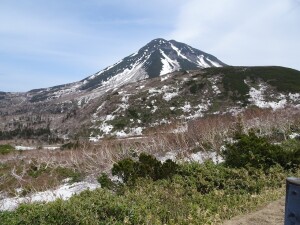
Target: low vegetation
pixel 5 149
pixel 153 192
pixel 253 151
pixel 283 79
pixel 29 177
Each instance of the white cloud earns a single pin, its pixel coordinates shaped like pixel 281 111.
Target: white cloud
pixel 243 32
pixel 73 39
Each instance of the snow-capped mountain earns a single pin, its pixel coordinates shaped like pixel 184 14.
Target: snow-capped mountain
pixel 157 58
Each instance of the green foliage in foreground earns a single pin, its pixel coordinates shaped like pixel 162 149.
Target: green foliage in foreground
pixel 198 194
pixel 188 193
pixel 5 149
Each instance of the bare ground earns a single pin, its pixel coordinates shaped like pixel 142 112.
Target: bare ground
pixel 273 214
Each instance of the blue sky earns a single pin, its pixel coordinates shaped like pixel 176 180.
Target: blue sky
pixel 45 43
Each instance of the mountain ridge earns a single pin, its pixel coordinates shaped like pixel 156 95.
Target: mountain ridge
pixel 156 58
pixel 184 84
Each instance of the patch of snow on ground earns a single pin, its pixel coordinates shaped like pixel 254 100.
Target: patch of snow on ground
pixel 168 155
pixel 22 148
pixel 294 135
pixel 94 116
pixel 163 78
pixel 257 98
pixel 169 92
pixel 154 91
pixel 51 147
pixel 200 109
pixel 165 88
pixel 106 128
pixel 154 109
pixel 125 98
pixel 109 117
pixel 124 105
pixel 121 134
pixel 137 131
pixel 163 121
pixel 294 97
pixel 64 192
pixel 168 96
pixel 94 139
pixel 233 111
pixel 187 107
pixel 215 88
pixel 201 157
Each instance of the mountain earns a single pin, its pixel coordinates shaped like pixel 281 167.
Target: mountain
pixel 183 84
pixel 157 58
pixel 167 103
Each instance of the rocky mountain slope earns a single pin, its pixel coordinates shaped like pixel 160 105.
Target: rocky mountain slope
pixel 176 98
pixel 185 83
pixel 156 58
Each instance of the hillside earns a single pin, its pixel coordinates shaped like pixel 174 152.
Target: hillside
pixel 140 107
pixel 63 111
pixel 183 96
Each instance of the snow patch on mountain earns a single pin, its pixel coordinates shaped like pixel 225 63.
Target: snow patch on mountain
pixel 201 62
pixel 257 97
pixel 180 54
pixel 128 75
pixel 215 64
pixel 169 65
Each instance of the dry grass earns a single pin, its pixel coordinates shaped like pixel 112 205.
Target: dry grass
pixel 206 134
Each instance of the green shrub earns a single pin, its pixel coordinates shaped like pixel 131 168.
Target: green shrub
pixel 124 169
pixel 64 172
pixel 106 182
pixel 147 166
pixel 133 113
pixel 5 149
pixel 197 194
pixel 253 151
pixel 119 123
pixel 210 177
pixel 35 170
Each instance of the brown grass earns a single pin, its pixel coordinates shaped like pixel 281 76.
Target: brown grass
pixel 204 134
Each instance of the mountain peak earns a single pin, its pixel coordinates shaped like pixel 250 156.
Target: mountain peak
pixel 156 58
pixel 155 44
pixel 158 40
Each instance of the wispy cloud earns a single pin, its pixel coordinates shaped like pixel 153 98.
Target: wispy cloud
pixel 243 32
pixel 64 41
pixel 38 36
